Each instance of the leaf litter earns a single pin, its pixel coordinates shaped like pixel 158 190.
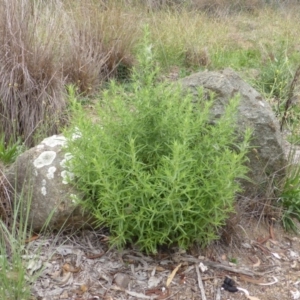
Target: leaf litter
pixel 82 267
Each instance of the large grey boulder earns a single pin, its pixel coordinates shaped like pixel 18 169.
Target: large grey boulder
pixel 40 176
pixel 267 161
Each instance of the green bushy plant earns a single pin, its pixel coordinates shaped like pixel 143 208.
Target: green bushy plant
pixel 9 150
pixel 275 77
pixel 154 168
pixel 290 199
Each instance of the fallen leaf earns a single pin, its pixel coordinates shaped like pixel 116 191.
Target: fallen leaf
pixel 156 291
pixel 104 239
pixel 262 248
pixel 69 268
pixel 64 279
pixel 257 264
pixel 94 256
pixel 182 279
pixel 272 232
pixel 32 238
pixel 270 283
pixel 153 282
pixel 166 295
pixel 252 259
pixel 246 245
pixel 295 294
pixel 252 280
pixel 252 298
pixel 34 265
pixel 64 295
pixel 132 293
pixel 262 240
pixel 247 294
pixel 273 242
pixel 55 274
pixel 294 264
pixel 172 275
pixel 276 255
pixel 84 288
pixel 159 293
pixel 106 277
pixel 293 254
pixel 202 267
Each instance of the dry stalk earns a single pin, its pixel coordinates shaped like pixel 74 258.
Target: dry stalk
pixel 291 94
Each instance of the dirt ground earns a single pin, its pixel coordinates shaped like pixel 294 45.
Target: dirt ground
pixel 262 258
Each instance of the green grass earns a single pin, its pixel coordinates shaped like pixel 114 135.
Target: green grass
pixel 236 58
pixel 290 197
pixel 14 277
pixel 10 150
pixel 20 266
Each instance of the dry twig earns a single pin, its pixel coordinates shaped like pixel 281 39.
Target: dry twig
pixel 218 294
pixel 221 266
pixel 200 283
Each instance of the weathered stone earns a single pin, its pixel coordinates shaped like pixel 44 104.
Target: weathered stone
pixel 40 175
pixel 266 160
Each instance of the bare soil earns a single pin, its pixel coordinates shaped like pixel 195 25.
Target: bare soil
pixel 262 258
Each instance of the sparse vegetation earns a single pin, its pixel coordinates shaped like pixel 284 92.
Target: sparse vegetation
pixel 56 55
pixel 13 234
pixel 290 198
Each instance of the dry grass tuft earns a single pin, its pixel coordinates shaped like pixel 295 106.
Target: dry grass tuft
pixel 226 6
pixel 5 201
pixel 99 40
pixel 197 57
pixel 6 214
pixel 293 96
pixel 45 44
pixel 31 85
pixel 85 63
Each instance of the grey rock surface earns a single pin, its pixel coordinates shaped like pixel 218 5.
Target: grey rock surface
pixel 40 175
pixel 267 160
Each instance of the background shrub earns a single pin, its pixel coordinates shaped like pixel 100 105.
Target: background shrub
pixel 154 169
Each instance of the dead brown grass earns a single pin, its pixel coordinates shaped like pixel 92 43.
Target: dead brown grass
pixel 5 201
pixel 226 6
pixel 43 46
pixel 99 40
pixel 46 44
pixel 31 84
pixel 6 212
pixel 217 7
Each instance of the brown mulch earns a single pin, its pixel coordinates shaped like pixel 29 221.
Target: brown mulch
pixel 81 266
